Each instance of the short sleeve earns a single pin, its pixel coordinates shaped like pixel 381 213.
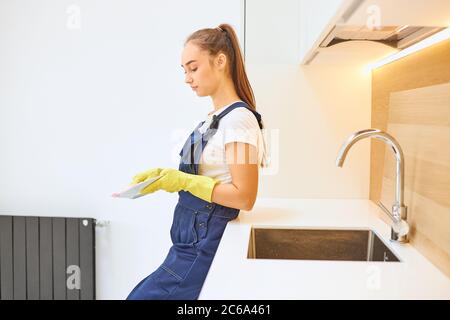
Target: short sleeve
pixel 240 125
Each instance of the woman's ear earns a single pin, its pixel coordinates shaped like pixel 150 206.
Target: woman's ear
pixel 221 61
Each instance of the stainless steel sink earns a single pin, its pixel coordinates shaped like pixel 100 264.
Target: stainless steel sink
pixel 318 244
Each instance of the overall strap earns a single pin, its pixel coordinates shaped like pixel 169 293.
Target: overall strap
pixel 216 118
pixel 190 150
pixel 213 127
pixel 196 142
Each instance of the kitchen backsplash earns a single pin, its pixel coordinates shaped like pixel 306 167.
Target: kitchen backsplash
pixel 411 101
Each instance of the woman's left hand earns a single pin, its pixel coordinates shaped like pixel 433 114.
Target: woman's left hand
pixel 173 180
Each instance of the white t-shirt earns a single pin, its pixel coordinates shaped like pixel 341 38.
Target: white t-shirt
pixel 239 125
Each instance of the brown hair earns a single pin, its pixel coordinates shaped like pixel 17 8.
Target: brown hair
pixel 215 41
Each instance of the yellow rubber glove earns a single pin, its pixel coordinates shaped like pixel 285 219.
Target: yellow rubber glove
pixel 142 176
pixel 173 180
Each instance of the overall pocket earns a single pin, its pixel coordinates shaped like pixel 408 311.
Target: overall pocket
pixel 182 229
pixel 201 225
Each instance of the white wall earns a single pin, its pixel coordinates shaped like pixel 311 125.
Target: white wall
pixel 84 109
pixel 314 107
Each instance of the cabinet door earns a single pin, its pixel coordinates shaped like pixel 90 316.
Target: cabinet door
pixel 314 17
pixel 272 31
pixel 284 31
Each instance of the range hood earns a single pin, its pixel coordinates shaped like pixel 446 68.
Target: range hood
pixel 399 37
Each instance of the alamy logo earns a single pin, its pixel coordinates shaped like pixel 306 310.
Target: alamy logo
pixel 74 279
pixel 74 17
pixel 374 19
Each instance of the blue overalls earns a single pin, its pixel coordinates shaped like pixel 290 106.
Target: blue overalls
pixel 196 230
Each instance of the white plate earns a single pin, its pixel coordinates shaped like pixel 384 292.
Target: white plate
pixel 133 191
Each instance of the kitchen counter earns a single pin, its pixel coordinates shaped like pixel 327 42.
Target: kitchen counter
pixel 233 276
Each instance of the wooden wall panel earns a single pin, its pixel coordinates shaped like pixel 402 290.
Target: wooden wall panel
pixel 411 101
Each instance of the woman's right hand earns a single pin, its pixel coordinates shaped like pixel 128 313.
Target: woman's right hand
pixel 142 176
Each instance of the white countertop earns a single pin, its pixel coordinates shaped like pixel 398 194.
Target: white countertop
pixel 233 276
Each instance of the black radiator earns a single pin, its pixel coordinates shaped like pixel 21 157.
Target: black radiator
pixel 47 258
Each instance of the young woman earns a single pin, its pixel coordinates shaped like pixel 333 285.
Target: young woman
pixel 218 170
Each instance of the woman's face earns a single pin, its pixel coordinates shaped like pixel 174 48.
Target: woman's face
pixel 203 77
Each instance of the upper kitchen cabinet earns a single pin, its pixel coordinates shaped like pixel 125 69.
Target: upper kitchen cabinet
pixel 272 32
pixel 277 32
pixel 335 30
pixel 315 17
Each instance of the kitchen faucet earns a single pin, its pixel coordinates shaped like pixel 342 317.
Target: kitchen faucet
pixel 399 228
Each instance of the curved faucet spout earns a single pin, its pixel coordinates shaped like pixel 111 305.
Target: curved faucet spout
pixel 398 208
